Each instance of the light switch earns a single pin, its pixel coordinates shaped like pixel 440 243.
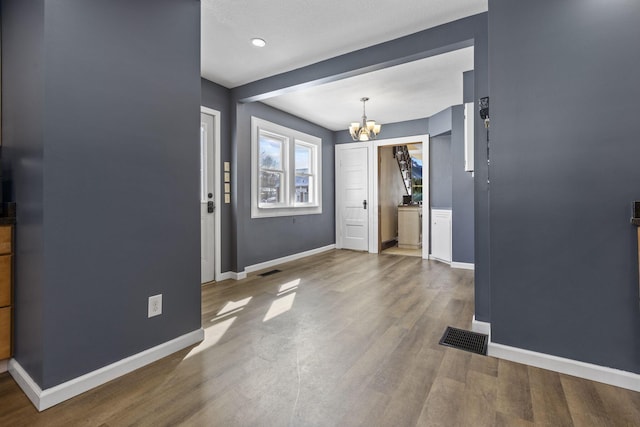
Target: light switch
pixel 227 177
pixel 227 166
pixel 227 198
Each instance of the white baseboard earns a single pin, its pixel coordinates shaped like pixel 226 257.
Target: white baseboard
pixel 43 399
pixel 480 326
pixel 463 265
pixel 4 365
pixel 589 371
pixel 274 262
pixel 576 368
pixel 231 275
pixel 238 276
pixel 226 276
pixel 439 260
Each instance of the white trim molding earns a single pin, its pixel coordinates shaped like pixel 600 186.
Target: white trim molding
pixel 4 365
pixel 226 275
pixel 217 185
pixel 463 265
pixel 576 368
pixel 589 371
pixel 44 399
pixel 237 276
pixel 290 139
pixel 274 262
pixel 480 326
pixel 433 258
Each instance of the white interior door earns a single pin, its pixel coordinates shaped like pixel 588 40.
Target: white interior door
pixel 352 190
pixel 207 199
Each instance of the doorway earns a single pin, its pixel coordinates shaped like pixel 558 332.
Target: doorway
pixel 400 199
pixel 209 195
pixel 357 193
pixel 414 214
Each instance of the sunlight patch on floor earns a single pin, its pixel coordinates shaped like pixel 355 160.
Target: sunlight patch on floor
pixel 279 306
pixel 288 286
pixel 234 305
pixel 212 335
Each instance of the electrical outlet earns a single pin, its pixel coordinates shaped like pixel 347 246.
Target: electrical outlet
pixel 155 305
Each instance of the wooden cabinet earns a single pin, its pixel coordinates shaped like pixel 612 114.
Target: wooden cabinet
pixel 6 290
pixel 410 227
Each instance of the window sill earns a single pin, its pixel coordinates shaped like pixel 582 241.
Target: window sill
pixel 278 212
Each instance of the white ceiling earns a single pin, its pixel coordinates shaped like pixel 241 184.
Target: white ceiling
pixel 303 32
pixel 405 92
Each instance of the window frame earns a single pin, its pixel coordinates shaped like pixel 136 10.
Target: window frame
pixel 291 138
pixel 282 171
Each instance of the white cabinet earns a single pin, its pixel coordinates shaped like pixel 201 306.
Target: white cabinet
pixel 410 227
pixel 468 136
pixel 441 234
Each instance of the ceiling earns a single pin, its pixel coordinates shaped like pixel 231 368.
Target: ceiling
pixel 303 32
pixel 405 92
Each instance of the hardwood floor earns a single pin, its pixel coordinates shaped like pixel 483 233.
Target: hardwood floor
pixel 337 339
pixel 395 250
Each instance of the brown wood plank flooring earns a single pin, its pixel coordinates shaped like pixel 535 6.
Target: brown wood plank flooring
pixel 337 339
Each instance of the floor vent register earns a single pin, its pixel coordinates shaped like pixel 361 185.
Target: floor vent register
pixel 268 273
pixel 465 340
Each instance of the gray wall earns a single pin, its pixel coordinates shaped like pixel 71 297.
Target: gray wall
pixel 264 239
pixel 564 170
pixel 440 187
pixel 482 273
pixel 440 123
pixel 452 187
pixel 462 193
pixel 391 130
pixel 119 155
pixel 468 87
pixel 22 137
pixel 219 98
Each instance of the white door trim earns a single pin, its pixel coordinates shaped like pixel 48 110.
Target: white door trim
pixel 373 189
pixel 216 182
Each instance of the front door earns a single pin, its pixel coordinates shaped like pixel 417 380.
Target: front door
pixel 352 190
pixel 207 204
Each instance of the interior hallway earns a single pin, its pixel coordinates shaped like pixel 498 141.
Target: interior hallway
pixel 341 338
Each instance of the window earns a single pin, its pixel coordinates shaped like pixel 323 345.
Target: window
pixel 416 179
pixel 286 171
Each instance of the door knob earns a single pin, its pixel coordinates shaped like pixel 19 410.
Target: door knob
pixel 364 204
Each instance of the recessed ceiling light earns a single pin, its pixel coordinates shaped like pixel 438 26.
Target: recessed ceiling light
pixel 257 42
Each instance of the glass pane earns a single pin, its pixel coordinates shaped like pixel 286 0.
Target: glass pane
pixel 303 159
pixel 417 190
pixel 270 187
pixel 416 179
pixel 303 189
pixel 270 152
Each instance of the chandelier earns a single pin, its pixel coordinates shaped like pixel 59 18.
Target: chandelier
pixel 366 130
